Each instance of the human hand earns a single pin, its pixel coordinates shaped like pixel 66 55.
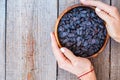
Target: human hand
pixel 68 61
pixel 109 14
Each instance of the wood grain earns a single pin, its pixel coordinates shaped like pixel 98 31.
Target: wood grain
pixel 29 55
pixel 115 62
pixel 115 52
pixel 64 75
pixel 2 39
pixel 28 49
pixel 102 62
pixel 102 65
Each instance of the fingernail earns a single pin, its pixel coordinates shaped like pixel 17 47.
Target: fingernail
pixel 97 9
pixel 62 49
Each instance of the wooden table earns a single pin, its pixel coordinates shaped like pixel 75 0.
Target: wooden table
pixel 25 49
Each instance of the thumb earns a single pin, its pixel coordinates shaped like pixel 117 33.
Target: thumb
pixel 68 54
pixel 105 16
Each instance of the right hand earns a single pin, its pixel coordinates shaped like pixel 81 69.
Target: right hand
pixel 109 14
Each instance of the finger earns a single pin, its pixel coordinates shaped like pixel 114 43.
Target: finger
pixel 58 54
pixel 106 17
pixel 68 54
pixel 98 4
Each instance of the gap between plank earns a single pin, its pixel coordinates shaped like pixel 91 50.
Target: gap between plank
pixel 56 61
pixel 5 34
pixel 110 53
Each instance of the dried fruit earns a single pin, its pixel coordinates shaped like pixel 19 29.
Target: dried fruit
pixel 82 31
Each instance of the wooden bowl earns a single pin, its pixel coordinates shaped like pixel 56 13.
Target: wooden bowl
pixel 57 23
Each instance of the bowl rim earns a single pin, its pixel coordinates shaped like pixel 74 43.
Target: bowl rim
pixel 57 23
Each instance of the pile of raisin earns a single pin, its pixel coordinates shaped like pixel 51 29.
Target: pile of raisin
pixel 82 31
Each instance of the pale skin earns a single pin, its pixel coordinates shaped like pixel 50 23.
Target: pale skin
pixel 77 65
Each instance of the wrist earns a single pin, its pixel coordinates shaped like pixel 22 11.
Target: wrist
pixel 89 74
pixel 84 70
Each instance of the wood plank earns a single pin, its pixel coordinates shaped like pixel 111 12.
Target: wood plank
pixel 29 55
pixel 64 75
pixel 115 52
pixel 2 39
pixel 115 62
pixel 101 62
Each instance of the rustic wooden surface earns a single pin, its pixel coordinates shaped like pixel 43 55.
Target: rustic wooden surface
pixel 63 4
pixel 28 54
pixel 115 53
pixel 2 39
pixel 25 49
pixel 101 63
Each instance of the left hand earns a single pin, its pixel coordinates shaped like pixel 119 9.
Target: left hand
pixel 68 61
